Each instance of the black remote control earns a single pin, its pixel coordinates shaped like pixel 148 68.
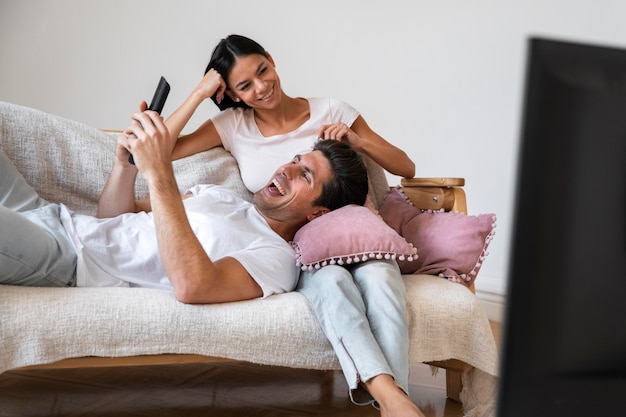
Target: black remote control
pixel 157 103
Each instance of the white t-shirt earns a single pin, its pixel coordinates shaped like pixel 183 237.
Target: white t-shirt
pixel 259 156
pixel 123 251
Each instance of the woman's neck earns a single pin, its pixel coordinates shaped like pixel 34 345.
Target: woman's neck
pixel 290 114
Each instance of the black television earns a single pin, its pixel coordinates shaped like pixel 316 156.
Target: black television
pixel 564 344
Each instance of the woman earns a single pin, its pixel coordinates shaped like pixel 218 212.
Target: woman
pixel 361 308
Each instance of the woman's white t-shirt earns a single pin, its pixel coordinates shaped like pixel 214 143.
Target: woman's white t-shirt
pixel 259 156
pixel 123 251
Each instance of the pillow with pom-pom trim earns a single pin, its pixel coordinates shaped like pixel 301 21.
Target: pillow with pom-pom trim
pixel 346 236
pixel 451 245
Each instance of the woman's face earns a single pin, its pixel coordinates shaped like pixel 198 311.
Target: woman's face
pixel 254 80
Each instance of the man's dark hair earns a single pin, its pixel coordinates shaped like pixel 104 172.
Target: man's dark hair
pixel 349 184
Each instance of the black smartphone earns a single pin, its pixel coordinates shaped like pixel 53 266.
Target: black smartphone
pixel 158 101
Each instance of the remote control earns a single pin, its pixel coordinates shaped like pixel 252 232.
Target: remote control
pixel 157 103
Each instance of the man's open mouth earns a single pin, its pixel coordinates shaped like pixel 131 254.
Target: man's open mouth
pixel 276 185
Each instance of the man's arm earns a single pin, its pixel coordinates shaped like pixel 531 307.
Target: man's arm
pixel 195 277
pixel 118 195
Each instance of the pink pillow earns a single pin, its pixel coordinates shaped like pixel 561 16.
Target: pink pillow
pixel 348 235
pixel 449 244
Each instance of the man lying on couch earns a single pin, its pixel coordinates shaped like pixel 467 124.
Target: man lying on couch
pixel 210 245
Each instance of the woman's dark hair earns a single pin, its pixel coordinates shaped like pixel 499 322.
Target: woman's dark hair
pixel 349 184
pixel 223 59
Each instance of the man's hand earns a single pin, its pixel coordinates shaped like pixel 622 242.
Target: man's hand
pixel 118 195
pixel 121 152
pixel 148 139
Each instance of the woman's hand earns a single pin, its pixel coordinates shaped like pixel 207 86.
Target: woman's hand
pixel 341 132
pixel 363 139
pixel 212 84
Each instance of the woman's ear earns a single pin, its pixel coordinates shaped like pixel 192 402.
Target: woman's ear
pixel 269 58
pixel 317 213
pixel 232 95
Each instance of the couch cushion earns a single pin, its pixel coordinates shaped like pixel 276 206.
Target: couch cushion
pixel 348 235
pixel 445 321
pixel 451 245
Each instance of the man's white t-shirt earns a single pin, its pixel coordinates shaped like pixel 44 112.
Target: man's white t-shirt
pixel 259 156
pixel 123 251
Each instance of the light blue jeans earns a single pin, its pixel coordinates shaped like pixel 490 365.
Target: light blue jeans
pixel 34 247
pixel 361 309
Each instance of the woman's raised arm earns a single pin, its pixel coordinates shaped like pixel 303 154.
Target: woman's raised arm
pixel 363 139
pixel 205 137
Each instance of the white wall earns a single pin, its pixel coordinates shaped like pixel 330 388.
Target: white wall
pixel 441 79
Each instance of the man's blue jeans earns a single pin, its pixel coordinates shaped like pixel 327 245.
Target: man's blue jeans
pixel 361 309
pixel 34 247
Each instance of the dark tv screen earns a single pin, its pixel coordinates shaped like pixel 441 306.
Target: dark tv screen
pixel 564 349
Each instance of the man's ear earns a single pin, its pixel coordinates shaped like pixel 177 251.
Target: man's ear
pixel 320 211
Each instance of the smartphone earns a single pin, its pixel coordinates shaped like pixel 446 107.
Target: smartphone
pixel 158 101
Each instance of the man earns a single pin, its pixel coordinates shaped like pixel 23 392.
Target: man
pixel 210 245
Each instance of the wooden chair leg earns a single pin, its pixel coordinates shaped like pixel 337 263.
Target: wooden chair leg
pixel 454 371
pixel 454 385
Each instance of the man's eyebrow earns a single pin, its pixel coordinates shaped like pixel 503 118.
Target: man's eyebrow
pixel 298 158
pixel 241 83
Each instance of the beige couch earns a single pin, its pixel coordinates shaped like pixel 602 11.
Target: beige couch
pixel 75 327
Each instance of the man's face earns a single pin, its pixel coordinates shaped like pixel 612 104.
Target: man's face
pixel 290 194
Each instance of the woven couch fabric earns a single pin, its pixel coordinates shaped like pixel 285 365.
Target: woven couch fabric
pixel 43 325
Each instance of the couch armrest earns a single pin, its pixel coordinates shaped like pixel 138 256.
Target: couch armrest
pixel 436 193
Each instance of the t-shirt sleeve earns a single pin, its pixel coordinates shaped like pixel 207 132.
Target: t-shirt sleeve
pixel 340 111
pixel 226 123
pixel 273 268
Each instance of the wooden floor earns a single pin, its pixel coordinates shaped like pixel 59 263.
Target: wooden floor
pixel 186 390
pixel 190 390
